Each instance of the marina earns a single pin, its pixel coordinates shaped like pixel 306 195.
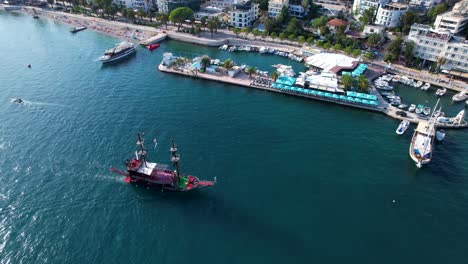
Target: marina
pixel 75 118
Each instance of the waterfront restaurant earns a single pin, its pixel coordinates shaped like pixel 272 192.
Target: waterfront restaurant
pixel 331 62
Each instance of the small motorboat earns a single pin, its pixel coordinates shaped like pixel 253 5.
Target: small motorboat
pixel 426 110
pixel 387 93
pixel 440 135
pixel 402 127
pixel 77 29
pixel 443 119
pixel 460 96
pixel 426 86
pixel 35 16
pixel 412 108
pixel 153 46
pixel 419 109
pixel 441 91
pixel 418 84
pixel 17 101
pixel 402 106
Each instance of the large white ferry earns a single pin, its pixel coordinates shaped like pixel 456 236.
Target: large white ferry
pixel 121 51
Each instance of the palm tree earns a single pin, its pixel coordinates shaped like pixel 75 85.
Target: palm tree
pixel 163 18
pixel 274 75
pixel 440 62
pixel 216 23
pixel 205 61
pixel 250 71
pixel 228 64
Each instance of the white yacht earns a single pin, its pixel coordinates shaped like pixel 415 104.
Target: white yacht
pixel 422 143
pixel 460 96
pixel 403 127
pixel 412 108
pixel 121 51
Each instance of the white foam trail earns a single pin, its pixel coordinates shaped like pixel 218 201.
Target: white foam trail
pixel 32 103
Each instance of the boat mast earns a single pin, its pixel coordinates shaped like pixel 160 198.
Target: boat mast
pixel 431 126
pixel 142 151
pixel 175 160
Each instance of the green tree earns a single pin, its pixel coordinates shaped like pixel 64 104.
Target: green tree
pixel 246 31
pixel 373 39
pixel 337 47
pixel 348 50
pixel 326 45
pixel 367 16
pixel 123 12
pixel 273 35
pixel 292 37
pixel 228 64
pixel 324 31
pixel 205 62
pixel 283 16
pixel 262 4
pixel 203 21
pixel 264 34
pixel 256 33
pixel 294 26
pixel 356 52
pixel 269 25
pixel 407 19
pixel 163 18
pixel 250 71
pixel 305 4
pixel 319 22
pixel 216 23
pixel 394 50
pixel 433 12
pixel 237 31
pixel 363 84
pixel 440 61
pixel 130 14
pixel 408 53
pixel 369 56
pixel 347 81
pixel 180 14
pixel 310 40
pixel 282 35
pixel 274 75
pixel 301 39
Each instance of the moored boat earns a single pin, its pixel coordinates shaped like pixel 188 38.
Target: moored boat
pixel 77 29
pixel 460 96
pixel 403 127
pixel 426 110
pixel 122 50
pixel 426 86
pixel 421 146
pixel 419 109
pixel 141 171
pixel 152 47
pixel 412 108
pixel 440 135
pixel 441 91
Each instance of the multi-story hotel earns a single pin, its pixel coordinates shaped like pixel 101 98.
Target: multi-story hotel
pixel 242 15
pixel 454 21
pixel 388 15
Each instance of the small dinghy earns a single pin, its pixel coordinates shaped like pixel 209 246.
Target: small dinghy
pixel 426 110
pixel 426 86
pixel 403 127
pixel 440 135
pixel 441 91
pixel 419 109
pixel 412 108
pixel 152 47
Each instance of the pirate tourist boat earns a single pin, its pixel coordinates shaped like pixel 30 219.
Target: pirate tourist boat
pixel 141 171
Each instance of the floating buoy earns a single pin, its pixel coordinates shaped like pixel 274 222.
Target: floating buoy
pixel 394 201
pixel 29 65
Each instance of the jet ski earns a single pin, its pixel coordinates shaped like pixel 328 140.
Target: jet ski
pixel 18 100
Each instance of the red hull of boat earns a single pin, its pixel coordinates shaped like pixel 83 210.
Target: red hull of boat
pixel 153 46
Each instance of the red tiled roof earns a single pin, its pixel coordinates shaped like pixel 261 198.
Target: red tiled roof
pixel 337 22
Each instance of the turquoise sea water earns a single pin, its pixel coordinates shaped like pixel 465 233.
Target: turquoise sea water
pixel 299 181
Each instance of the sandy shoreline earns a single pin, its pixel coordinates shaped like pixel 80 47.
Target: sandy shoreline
pixel 123 31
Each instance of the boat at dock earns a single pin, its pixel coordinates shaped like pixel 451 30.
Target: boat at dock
pixel 412 108
pixel 460 96
pixel 77 29
pixel 426 86
pixel 141 171
pixel 122 50
pixel 441 91
pixel 426 110
pixel 403 127
pixel 422 143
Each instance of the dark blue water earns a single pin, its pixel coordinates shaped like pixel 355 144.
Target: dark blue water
pixel 299 181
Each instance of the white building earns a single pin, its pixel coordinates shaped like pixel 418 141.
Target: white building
pixel 295 10
pixel 424 3
pixel 454 21
pixel 389 14
pixel 209 12
pixel 135 4
pixel 221 3
pixel 360 5
pixel 242 15
pixel 166 6
pixel 373 29
pixel 429 46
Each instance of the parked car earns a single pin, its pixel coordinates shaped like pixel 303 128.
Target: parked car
pixel 401 113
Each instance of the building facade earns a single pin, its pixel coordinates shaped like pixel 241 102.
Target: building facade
pixel 135 4
pixel 243 15
pixel 430 46
pixel 209 12
pixel 424 3
pixel 166 6
pixel 295 9
pixel 360 5
pixel 221 3
pixel 388 15
pixel 453 21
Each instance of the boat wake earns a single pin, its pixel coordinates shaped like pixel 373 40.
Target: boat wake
pixel 32 103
